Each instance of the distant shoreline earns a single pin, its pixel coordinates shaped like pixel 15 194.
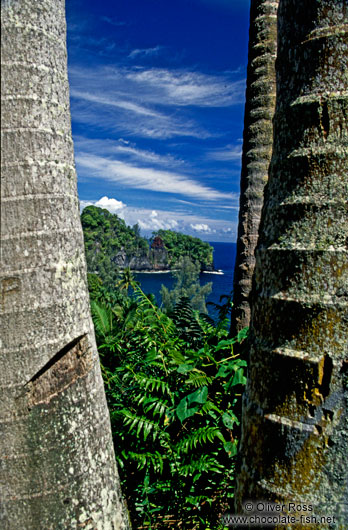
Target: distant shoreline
pixel 166 271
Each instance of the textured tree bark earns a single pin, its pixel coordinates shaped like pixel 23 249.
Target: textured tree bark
pixel 257 150
pixel 295 432
pixel 58 466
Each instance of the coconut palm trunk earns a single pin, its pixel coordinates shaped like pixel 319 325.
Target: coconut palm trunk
pixel 295 429
pixel 257 150
pixel 58 466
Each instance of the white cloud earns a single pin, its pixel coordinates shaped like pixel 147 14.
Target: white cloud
pixel 124 149
pixel 113 21
pixel 181 87
pixel 122 104
pixel 128 118
pixel 113 205
pixel 146 178
pixel 202 227
pixel 147 101
pixel 148 156
pixel 229 207
pixel 230 152
pixel 157 224
pixel 150 220
pixel 84 203
pixel 146 52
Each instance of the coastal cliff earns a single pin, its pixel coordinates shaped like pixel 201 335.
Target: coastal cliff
pixel 153 260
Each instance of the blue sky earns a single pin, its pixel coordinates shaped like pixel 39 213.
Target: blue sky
pixel 157 102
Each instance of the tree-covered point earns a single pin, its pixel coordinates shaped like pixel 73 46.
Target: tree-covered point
pixel 179 245
pixel 111 246
pixel 108 231
pixel 105 236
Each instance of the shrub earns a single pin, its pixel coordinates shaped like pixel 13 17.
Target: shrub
pixel 173 386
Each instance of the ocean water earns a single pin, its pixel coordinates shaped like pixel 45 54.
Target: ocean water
pixel 224 259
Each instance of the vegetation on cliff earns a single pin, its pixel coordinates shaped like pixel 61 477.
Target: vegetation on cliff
pixel 105 236
pixel 173 386
pixel 180 245
pixel 111 245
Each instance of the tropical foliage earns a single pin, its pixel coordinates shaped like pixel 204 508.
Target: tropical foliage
pixel 173 387
pixel 186 285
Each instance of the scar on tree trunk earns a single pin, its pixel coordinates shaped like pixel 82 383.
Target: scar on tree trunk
pixel 72 362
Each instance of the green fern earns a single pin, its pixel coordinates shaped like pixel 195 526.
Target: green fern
pixel 154 460
pixel 152 383
pixel 140 424
pixel 170 385
pixel 205 464
pixel 102 318
pixel 198 378
pixel 199 437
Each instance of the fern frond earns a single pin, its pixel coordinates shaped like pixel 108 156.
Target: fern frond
pixel 207 325
pixel 187 321
pixel 177 357
pixel 209 406
pixel 141 424
pixel 146 459
pixel 205 464
pixel 198 378
pixel 153 383
pixel 154 404
pixel 102 318
pixel 199 437
pixel 158 407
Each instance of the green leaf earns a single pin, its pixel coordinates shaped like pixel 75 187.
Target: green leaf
pixel 242 334
pixel 232 366
pixel 229 420
pixel 183 411
pixel 210 407
pixel 223 371
pixel 223 344
pixel 240 362
pixel 238 378
pixel 184 368
pixel 199 396
pixel 231 448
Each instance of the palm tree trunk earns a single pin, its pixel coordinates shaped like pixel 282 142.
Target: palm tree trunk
pixel 257 150
pixel 295 430
pixel 58 465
